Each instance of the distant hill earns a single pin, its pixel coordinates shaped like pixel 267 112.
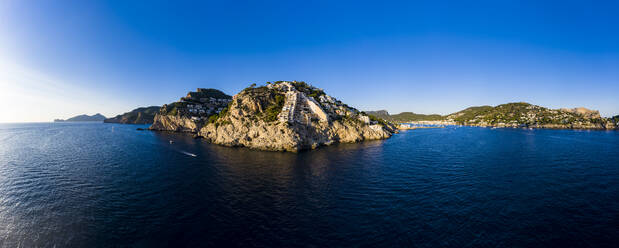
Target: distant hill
pixel 522 114
pixel 405 116
pixel 410 116
pixel 379 113
pixel 144 115
pixel 95 118
pixel 517 114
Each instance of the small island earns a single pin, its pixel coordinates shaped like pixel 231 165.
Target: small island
pixel 280 116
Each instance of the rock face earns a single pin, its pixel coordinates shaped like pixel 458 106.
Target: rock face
pixel 175 123
pixel 282 116
pixel 144 115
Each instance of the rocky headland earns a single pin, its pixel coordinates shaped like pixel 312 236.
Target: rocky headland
pixel 144 115
pixel 279 116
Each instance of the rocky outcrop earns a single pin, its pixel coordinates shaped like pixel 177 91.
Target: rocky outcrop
pixel 191 112
pixel 281 116
pixel 145 115
pixel 175 123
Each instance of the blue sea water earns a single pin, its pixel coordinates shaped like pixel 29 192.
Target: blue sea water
pixel 102 185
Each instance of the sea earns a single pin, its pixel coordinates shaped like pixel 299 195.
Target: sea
pixel 111 185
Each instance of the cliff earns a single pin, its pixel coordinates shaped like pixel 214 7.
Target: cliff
pixel 144 115
pixel 92 118
pixel 281 116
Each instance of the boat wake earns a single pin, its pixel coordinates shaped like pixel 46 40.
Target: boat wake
pixel 189 154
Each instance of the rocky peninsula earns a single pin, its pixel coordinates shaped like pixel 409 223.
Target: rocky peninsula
pixel 279 116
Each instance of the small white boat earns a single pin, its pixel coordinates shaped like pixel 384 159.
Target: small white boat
pixel 171 141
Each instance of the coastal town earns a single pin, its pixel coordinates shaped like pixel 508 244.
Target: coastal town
pixel 200 104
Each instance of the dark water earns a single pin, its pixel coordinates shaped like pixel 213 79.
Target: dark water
pixel 100 185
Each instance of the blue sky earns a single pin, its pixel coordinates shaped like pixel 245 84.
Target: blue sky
pixel 63 58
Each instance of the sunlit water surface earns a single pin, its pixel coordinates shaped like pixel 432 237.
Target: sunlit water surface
pixel 94 184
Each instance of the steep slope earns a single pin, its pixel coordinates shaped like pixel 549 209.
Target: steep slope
pixel 144 115
pixel 94 118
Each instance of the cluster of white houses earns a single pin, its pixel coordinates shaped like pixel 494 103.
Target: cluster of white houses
pixel 199 106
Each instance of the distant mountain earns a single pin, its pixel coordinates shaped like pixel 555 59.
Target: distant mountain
pixel 404 116
pixel 144 115
pixel 96 117
pixel 379 113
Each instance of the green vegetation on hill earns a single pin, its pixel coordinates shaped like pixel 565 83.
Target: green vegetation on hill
pixel 144 115
pixel 410 116
pixel 173 108
pixel 519 113
pixel 271 101
pixel 378 119
pixel 207 93
pixel 405 116
pixel 308 89
pixel 379 113
pixel 273 110
pixel 470 113
pixel 513 115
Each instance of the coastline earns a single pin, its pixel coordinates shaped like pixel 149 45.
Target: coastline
pixel 524 126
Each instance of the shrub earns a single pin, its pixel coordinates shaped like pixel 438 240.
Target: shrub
pixel 273 110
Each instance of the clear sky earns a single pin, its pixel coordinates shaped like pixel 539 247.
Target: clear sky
pixel 63 58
